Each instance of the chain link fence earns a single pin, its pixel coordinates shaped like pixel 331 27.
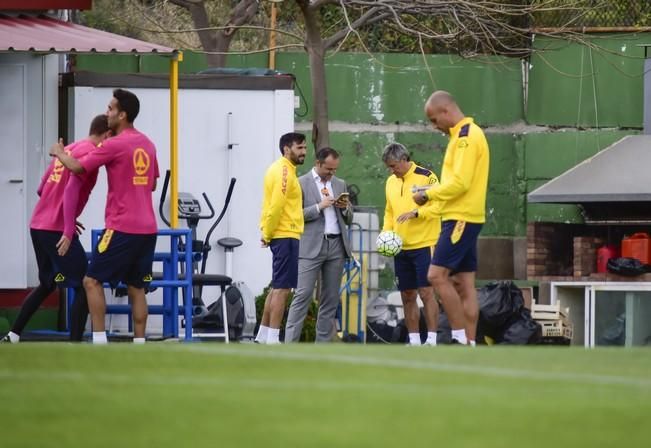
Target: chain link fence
pixel 597 14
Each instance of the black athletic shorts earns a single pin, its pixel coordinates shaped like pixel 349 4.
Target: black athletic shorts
pixel 125 257
pixel 67 271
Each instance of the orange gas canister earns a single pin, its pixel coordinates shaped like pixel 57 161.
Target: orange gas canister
pixel 637 246
pixel 605 253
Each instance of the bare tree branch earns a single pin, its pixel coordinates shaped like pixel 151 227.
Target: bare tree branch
pixel 371 17
pixel 262 50
pixel 217 43
pixel 317 4
pixel 183 3
pixel 222 28
pixel 470 28
pixel 483 26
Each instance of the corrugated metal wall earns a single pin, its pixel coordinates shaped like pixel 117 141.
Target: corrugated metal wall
pixel 581 85
pixel 528 146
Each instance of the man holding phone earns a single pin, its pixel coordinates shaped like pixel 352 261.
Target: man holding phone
pixel 324 246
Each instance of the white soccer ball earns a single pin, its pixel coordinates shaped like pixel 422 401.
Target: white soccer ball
pixel 389 243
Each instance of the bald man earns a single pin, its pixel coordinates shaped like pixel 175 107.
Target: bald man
pixel 462 194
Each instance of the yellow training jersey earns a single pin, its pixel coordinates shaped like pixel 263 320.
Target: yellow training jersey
pixel 419 232
pixel 464 177
pixel 282 203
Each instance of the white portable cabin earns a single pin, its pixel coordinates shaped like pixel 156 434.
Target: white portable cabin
pixel 229 126
pixel 33 49
pixel 39 110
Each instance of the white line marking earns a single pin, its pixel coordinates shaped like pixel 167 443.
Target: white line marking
pixel 270 353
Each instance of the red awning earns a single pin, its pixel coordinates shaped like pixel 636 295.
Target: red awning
pixel 44 34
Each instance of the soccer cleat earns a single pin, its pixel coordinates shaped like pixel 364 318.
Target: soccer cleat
pixel 431 344
pixel 7 340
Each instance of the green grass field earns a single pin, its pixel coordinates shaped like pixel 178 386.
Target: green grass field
pixel 344 395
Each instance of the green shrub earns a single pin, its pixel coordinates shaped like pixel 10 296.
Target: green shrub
pixel 4 325
pixel 308 334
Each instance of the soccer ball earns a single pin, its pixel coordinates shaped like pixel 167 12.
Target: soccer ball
pixel 388 243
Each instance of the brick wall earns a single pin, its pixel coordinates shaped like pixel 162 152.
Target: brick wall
pixel 539 237
pixel 585 255
pixel 549 250
pixel 568 252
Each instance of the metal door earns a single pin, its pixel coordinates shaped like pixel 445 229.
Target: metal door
pixel 13 234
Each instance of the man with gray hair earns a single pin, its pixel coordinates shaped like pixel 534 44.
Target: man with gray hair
pixel 419 228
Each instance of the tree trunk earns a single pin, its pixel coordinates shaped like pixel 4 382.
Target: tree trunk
pixel 219 41
pixel 222 44
pixel 320 122
pixel 316 54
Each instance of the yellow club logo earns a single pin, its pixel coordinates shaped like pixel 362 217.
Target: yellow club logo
pixel 457 232
pixel 141 161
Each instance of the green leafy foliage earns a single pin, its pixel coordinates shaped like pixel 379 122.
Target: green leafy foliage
pixel 308 334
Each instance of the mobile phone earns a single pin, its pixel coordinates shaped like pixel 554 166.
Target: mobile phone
pixel 343 195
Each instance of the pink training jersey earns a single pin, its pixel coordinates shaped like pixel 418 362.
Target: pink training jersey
pixel 48 213
pixel 132 169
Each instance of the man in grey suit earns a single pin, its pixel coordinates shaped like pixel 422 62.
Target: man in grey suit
pixel 323 248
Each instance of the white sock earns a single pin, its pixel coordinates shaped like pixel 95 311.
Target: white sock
pixel 13 337
pixel 460 336
pixel 138 340
pixel 414 338
pixel 261 337
pixel 273 336
pixel 431 338
pixel 99 337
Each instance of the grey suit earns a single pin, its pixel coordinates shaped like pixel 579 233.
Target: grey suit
pixel 316 255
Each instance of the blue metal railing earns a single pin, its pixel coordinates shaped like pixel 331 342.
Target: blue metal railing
pixel 353 270
pixel 170 283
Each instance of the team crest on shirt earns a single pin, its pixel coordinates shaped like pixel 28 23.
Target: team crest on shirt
pixel 141 163
pixel 57 171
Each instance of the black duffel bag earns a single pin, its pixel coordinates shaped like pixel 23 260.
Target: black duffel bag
pixel 627 267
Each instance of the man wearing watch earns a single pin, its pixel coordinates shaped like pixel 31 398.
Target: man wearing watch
pixel 462 196
pixel 419 228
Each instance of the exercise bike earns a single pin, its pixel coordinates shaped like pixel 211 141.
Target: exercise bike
pixel 232 315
